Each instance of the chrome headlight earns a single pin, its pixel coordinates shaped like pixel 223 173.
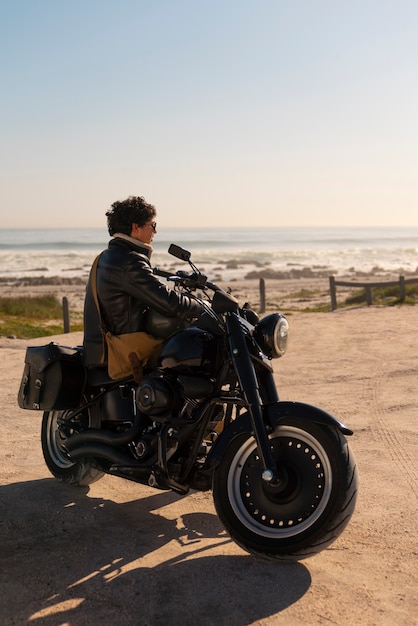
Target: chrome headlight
pixel 271 334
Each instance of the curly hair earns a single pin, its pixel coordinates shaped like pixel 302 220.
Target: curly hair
pixel 133 210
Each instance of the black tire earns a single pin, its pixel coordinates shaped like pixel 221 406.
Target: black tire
pixel 307 511
pixel 79 474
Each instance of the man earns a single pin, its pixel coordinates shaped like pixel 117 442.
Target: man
pixel 126 285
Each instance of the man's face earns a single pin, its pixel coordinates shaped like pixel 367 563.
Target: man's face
pixel 144 233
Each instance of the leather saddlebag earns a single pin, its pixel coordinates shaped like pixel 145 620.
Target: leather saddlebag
pixel 53 378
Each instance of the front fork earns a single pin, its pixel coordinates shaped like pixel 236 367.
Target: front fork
pixel 250 387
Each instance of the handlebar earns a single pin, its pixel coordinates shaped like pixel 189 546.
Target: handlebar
pixel 193 281
pixel 162 273
pixel 196 280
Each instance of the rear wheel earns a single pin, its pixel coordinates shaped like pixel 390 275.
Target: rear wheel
pixel 306 510
pixel 53 436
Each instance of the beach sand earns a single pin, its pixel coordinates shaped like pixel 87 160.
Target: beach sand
pixel 122 553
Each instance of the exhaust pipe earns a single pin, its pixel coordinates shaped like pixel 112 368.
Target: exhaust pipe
pixel 100 451
pixel 95 435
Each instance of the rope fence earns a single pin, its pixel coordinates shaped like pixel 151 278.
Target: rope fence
pixel 401 283
pixel 367 286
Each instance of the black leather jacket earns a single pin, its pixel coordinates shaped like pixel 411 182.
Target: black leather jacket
pixel 126 288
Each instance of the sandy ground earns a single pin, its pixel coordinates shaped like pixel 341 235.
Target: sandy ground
pixel 122 553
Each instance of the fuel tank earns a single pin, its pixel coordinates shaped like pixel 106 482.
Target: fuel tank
pixel 191 351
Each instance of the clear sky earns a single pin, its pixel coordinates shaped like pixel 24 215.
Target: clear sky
pixel 249 112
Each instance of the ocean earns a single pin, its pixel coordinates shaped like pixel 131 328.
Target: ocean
pixel 222 253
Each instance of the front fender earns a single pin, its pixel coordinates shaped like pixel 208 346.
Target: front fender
pixel 275 414
pixel 279 411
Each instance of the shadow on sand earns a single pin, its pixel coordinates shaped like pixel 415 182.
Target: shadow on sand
pixel 68 558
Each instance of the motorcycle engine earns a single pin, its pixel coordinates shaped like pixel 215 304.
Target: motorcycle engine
pixel 165 397
pixel 156 397
pixel 187 363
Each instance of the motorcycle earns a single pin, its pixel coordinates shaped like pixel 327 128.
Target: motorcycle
pixel 208 416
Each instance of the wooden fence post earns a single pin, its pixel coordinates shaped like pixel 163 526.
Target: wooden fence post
pixel 66 315
pixel 262 295
pixel 402 290
pixel 333 293
pixel 369 299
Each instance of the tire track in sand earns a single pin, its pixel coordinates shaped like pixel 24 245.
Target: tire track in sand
pixel 386 431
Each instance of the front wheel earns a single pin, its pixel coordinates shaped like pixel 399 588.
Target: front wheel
pixel 53 435
pixel 306 510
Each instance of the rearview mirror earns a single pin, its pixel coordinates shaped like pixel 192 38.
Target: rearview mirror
pixel 179 253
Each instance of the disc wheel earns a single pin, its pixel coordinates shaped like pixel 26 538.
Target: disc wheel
pixel 53 436
pixel 308 507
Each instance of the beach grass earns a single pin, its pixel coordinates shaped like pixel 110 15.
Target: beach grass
pixel 308 300
pixel 27 317
pixel 388 296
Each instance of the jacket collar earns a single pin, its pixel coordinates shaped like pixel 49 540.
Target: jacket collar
pixel 144 248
